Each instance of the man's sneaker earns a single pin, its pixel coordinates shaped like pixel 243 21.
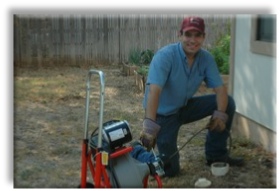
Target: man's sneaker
pixel 231 161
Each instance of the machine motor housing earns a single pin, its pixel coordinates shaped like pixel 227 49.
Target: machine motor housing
pixel 125 171
pixel 116 133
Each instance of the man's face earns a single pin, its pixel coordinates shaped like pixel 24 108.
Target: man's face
pixel 192 41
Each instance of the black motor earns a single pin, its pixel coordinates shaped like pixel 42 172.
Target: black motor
pixel 115 134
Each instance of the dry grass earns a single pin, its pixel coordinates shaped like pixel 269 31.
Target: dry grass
pixel 49 123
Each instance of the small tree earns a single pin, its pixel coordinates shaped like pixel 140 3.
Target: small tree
pixel 221 52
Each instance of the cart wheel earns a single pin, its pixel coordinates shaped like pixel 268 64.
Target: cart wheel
pixel 88 185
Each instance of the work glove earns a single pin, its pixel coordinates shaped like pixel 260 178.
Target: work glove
pixel 217 121
pixel 149 133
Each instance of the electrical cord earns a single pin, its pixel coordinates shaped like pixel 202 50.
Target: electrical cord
pixel 186 142
pixel 230 142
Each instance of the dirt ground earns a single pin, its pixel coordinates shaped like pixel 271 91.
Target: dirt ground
pixel 49 115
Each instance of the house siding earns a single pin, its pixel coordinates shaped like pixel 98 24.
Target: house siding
pixel 254 78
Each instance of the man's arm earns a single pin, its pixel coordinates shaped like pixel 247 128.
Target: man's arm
pixel 150 127
pixel 152 101
pixel 219 117
pixel 222 98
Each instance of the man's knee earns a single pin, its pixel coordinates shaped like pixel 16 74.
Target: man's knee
pixel 231 104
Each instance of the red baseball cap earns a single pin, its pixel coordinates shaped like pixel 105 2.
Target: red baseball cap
pixel 193 23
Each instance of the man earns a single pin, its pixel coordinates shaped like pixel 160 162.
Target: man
pixel 175 75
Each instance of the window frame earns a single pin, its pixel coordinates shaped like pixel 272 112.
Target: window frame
pixel 260 47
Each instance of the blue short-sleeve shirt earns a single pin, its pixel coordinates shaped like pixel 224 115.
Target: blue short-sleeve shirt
pixel 169 70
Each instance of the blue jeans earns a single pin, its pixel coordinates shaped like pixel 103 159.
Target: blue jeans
pixel 196 109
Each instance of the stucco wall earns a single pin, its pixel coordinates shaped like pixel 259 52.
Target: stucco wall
pixel 254 78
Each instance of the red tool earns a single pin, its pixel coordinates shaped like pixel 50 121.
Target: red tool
pixel 107 158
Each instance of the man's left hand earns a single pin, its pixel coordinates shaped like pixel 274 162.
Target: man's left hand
pixel 217 121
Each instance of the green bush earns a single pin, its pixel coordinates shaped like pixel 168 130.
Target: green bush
pixel 140 58
pixel 146 57
pixel 134 57
pixel 221 52
pixel 143 70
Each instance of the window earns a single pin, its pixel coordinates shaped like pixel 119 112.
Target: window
pixel 263 35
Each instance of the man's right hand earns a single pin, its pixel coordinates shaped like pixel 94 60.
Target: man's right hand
pixel 149 133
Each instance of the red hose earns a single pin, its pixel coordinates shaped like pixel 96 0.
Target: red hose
pixel 157 178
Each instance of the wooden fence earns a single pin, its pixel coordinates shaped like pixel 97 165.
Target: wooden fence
pixel 48 40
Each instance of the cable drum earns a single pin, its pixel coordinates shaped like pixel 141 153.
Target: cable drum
pixel 116 133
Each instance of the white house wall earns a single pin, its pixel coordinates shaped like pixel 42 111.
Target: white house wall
pixel 254 86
